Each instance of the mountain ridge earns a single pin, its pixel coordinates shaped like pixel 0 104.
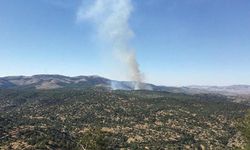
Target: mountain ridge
pixel 55 81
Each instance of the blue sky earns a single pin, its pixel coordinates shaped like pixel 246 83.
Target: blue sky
pixel 177 42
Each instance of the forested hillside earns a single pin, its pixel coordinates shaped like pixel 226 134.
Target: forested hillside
pixel 102 119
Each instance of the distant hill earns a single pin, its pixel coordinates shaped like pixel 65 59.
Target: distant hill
pixel 225 90
pixel 52 81
pixel 58 81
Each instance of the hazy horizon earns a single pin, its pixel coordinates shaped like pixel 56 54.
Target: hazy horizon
pixel 128 80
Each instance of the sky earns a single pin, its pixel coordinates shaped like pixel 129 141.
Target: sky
pixel 177 42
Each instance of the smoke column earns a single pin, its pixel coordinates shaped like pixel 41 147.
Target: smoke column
pixel 111 18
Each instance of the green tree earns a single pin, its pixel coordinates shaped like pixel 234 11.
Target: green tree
pixel 245 129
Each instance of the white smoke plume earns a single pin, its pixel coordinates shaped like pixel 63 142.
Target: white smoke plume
pixel 111 18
